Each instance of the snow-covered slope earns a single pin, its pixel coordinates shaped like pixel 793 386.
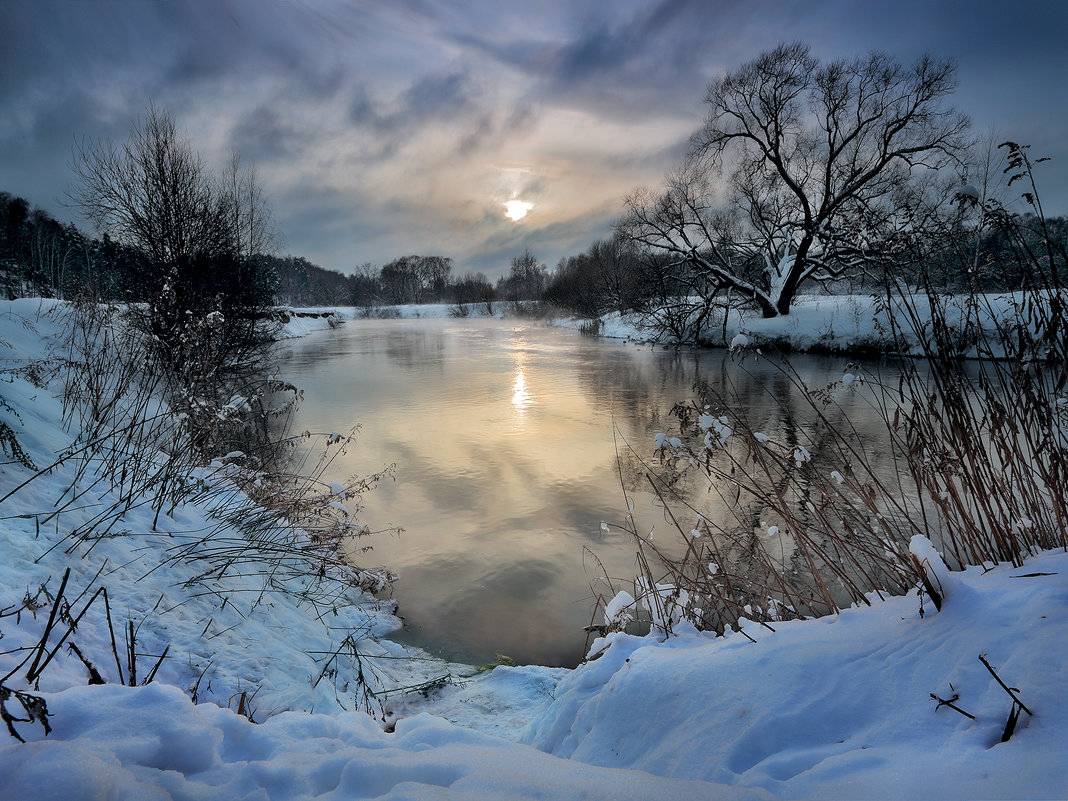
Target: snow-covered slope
pixel 841 707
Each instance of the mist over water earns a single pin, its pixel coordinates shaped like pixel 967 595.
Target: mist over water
pixel 511 440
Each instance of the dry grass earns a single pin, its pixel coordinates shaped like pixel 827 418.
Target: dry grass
pixel 976 454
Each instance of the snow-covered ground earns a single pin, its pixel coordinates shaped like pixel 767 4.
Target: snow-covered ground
pixel 830 323
pixel 839 707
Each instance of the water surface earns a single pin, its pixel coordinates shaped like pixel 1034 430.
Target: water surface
pixel 509 440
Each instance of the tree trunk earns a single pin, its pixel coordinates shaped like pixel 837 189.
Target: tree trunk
pixel 767 310
pixel 792 282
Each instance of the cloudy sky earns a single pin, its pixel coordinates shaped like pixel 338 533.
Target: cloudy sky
pixel 386 128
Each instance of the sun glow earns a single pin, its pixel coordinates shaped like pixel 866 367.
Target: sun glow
pixel 516 210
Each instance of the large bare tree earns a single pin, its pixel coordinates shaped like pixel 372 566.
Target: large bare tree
pixel 813 158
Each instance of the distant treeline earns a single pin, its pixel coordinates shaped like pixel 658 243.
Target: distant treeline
pixel 41 256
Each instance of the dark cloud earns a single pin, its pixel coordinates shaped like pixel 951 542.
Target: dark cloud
pixel 264 133
pixel 481 130
pixel 387 128
pixel 646 56
pixel 645 159
pixel 387 124
pixel 428 101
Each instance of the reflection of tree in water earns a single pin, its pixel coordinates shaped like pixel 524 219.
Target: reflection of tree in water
pixel 415 348
pixel 775 524
pixel 638 388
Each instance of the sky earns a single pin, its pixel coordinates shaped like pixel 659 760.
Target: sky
pixel 383 129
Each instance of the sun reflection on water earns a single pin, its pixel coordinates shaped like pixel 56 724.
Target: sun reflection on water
pixel 521 397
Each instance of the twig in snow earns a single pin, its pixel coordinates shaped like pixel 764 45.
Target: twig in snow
pixel 111 630
pixel 49 624
pixel 1017 704
pixel 949 702
pixel 1010 724
pixel 1010 690
pixel 34 705
pixel 94 674
pixel 152 673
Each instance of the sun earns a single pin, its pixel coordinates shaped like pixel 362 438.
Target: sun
pixel 516 210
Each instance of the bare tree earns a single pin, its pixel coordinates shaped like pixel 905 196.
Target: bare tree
pixel 616 261
pixel 434 272
pixel 526 279
pixel 815 157
pixel 197 236
pixel 153 192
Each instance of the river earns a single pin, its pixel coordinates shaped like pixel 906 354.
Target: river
pixel 510 439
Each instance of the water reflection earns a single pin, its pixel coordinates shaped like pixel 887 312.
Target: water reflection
pixel 511 442
pixel 521 398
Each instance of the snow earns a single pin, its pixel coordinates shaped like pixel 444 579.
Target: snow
pixel 150 743
pixel 304 321
pixel 710 423
pixel 835 323
pixel 934 566
pixel 619 611
pixel 838 707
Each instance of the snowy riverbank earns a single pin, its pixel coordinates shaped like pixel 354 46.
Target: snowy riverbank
pixel 839 707
pixel 846 324
pixel 303 321
pixel 251 629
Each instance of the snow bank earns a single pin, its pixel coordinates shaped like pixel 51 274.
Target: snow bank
pixel 305 320
pixel 315 318
pixel 841 707
pixel 301 324
pixel 150 743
